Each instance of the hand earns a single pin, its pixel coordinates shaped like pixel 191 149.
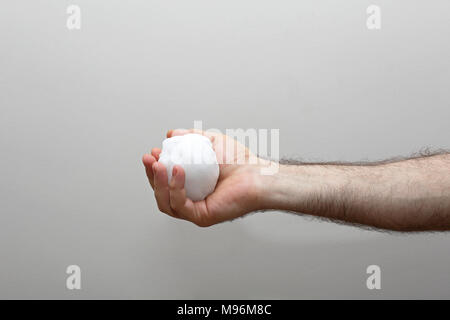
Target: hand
pixel 237 191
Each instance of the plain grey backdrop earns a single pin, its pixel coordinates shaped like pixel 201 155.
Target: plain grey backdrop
pixel 79 108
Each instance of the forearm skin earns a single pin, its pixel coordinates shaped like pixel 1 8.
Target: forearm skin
pixel 409 195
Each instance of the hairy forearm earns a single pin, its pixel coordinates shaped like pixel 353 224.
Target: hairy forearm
pixel 405 195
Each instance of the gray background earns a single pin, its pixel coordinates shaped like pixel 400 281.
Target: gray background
pixel 79 108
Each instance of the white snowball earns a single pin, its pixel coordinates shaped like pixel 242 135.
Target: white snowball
pixel 195 154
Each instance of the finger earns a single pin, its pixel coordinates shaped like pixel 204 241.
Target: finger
pixel 177 132
pixel 161 188
pixel 169 134
pixel 148 161
pixel 156 152
pixel 178 200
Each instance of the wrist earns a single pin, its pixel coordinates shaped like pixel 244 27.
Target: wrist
pixel 275 190
pixel 302 188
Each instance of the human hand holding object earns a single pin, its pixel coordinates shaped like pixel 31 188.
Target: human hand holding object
pixel 235 194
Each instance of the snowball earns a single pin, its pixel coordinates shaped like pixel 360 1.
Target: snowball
pixel 195 154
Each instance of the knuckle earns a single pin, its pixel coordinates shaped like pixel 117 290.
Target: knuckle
pixel 174 205
pixel 172 186
pixel 202 223
pixel 160 207
pixel 174 213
